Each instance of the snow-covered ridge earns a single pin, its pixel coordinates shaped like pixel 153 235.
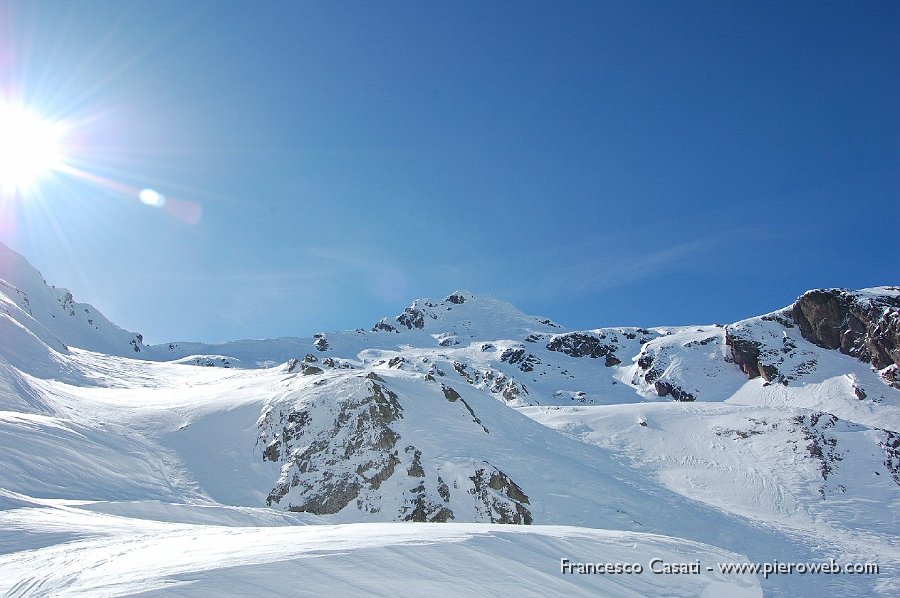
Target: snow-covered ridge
pixel 53 316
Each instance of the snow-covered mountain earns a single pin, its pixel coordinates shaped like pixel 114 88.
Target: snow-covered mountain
pixel 773 438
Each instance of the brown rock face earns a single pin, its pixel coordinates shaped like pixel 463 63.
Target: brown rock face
pixel 867 328
pixel 822 317
pixel 745 354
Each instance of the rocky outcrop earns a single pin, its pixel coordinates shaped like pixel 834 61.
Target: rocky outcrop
pixel 664 388
pixel 891 376
pixel 821 445
pixel 761 347
pixel 519 356
pixel 891 447
pixel 320 341
pixel 316 477
pixel 457 298
pixel 421 508
pixel 501 500
pixel 384 326
pixel 423 505
pixel 310 370
pixel 497 383
pixel 746 355
pixel 866 326
pixel 451 395
pixel 863 324
pixel 412 318
pixel 579 344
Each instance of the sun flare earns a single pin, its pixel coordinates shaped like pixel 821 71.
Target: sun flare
pixel 30 147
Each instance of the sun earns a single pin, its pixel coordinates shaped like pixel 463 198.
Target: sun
pixel 30 148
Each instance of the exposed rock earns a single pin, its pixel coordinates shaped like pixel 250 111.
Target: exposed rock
pixel 422 509
pixel 272 451
pixel 310 370
pixel 645 362
pixel 443 490
pixel 823 316
pixel 864 326
pixel 503 500
pixel 518 355
pixel 450 394
pixel 761 349
pixel 314 473
pixel 209 361
pixel 745 353
pixel 384 326
pixel 320 342
pixel 336 363
pixel 821 446
pixel 462 370
pixel 453 396
pixel 424 506
pixel 891 376
pixel 415 469
pixel 891 446
pixel 495 382
pixel 507 388
pixel 412 317
pixel 456 298
pixel 579 344
pixel 664 388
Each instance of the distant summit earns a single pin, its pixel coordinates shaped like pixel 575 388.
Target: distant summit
pixel 462 316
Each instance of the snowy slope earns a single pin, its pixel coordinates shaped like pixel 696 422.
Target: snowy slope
pixel 116 556
pixel 774 438
pixel 52 315
pixel 791 468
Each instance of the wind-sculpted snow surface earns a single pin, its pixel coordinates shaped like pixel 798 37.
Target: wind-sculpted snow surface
pixel 127 468
pixel 128 555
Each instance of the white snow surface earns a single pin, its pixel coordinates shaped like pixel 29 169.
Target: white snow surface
pixel 290 465
pixel 68 550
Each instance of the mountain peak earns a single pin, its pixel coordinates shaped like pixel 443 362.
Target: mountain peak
pixel 466 314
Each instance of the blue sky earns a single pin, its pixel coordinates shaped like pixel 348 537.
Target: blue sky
pixel 600 163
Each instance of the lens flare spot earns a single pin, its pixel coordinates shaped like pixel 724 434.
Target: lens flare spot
pixel 152 198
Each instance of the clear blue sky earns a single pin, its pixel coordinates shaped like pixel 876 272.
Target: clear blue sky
pixel 600 163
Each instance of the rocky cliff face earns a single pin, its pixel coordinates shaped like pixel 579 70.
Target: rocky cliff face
pixel 863 324
pixel 331 452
